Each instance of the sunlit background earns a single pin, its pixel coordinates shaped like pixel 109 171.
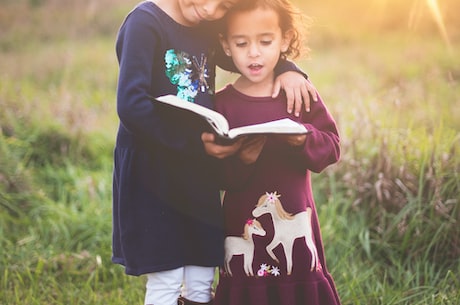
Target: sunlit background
pixel 389 72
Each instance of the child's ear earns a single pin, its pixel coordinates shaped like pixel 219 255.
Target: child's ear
pixel 287 38
pixel 225 45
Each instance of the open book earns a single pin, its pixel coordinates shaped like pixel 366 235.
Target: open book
pixel 220 124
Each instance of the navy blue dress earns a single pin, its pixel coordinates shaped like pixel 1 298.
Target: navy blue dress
pixel 166 206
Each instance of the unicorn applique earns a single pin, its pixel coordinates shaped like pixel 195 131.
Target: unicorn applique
pixel 235 245
pixel 287 228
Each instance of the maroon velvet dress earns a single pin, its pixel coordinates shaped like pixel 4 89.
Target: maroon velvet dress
pixel 273 247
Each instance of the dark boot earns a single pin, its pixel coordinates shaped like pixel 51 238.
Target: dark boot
pixel 184 301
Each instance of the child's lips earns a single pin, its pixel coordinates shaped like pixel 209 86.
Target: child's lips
pixel 255 67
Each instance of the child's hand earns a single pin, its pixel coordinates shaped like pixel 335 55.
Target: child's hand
pixel 219 151
pixel 294 140
pixel 251 149
pixel 297 90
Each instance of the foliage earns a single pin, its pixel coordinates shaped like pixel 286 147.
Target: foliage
pixel 389 210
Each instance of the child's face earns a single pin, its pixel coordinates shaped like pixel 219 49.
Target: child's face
pixel 255 42
pixel 195 11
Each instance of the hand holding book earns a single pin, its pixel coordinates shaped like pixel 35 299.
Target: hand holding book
pixel 217 150
pixel 251 149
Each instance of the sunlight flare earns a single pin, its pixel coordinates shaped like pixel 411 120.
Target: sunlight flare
pixel 438 18
pixel 436 14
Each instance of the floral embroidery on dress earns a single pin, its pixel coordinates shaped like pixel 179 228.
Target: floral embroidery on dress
pixel 267 270
pixel 188 73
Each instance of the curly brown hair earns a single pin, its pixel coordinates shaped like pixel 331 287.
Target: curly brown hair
pixel 291 20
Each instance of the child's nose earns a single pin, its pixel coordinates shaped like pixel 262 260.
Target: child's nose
pixel 254 50
pixel 210 9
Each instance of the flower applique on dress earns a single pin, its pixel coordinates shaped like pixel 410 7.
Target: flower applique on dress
pixel 267 270
pixel 189 74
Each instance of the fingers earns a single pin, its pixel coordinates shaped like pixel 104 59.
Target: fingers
pixel 254 140
pixel 298 100
pixel 219 151
pixel 207 137
pixel 298 96
pixel 251 149
pixel 276 88
pixel 288 91
pixel 305 97
pixel 308 94
pixel 293 140
pixel 295 98
pixel 290 99
pixel 312 92
pixel 299 91
pixel 297 140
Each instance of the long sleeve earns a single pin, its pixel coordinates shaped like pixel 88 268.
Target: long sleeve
pixel 322 145
pixel 142 73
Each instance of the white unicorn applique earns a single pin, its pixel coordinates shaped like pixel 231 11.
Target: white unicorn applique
pixel 287 228
pixel 244 245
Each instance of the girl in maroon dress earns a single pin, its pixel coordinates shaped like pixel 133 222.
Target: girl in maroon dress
pixel 273 247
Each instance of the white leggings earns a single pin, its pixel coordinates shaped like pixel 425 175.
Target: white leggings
pixel 192 282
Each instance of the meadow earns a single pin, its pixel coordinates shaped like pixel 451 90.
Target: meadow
pixel 388 70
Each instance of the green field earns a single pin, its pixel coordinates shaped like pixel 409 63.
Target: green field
pixel 389 71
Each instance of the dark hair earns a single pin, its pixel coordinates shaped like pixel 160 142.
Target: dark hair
pixel 290 19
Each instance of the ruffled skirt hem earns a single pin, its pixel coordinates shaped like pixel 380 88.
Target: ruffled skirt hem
pixel 313 292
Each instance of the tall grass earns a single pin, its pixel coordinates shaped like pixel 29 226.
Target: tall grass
pixel 389 210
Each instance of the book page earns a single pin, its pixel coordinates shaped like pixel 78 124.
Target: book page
pixel 220 124
pixel 215 119
pixel 282 126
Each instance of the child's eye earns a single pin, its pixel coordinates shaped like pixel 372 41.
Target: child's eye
pixel 241 44
pixel 266 42
pixel 227 5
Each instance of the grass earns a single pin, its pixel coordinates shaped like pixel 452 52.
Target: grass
pixel 389 210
